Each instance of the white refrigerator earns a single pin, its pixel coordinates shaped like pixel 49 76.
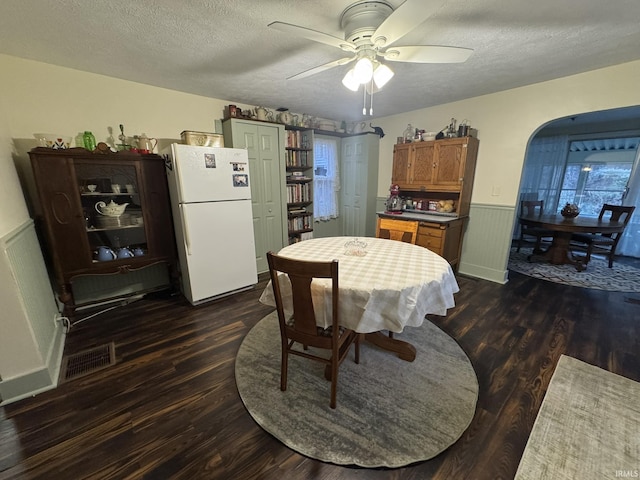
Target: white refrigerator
pixel 211 204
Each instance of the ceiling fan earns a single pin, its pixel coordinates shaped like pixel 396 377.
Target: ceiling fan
pixel 370 30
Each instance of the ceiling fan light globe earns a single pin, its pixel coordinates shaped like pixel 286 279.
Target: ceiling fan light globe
pixel 350 82
pixel 382 75
pixel 363 70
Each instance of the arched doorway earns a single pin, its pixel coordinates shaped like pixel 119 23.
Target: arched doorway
pixel 587 159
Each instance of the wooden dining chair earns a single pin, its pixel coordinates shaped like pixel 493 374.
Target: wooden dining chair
pixel 603 243
pixel 402 230
pixel 301 327
pixel 533 207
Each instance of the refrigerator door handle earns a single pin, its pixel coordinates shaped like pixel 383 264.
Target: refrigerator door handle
pixel 185 229
pixel 176 172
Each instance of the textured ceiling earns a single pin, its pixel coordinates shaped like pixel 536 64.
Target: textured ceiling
pixel 224 49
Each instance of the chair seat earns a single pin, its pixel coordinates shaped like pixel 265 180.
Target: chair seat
pixel 603 243
pixel 595 239
pixel 531 207
pixel 324 332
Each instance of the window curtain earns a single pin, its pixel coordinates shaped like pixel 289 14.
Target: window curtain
pixel 544 170
pixel 326 187
pixel 629 244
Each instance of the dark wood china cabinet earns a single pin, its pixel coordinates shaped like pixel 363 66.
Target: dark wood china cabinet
pixel 88 229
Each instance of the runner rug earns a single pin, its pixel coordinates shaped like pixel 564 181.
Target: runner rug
pixel 598 275
pixel 588 426
pixel 390 412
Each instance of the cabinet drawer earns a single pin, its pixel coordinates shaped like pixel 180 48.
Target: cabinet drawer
pixel 431 230
pixel 433 243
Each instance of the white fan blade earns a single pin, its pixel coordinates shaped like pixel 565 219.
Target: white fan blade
pixel 322 68
pixel 404 19
pixel 314 35
pixel 427 54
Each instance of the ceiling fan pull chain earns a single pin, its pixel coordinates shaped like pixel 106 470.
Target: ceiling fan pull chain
pixel 364 101
pixel 371 98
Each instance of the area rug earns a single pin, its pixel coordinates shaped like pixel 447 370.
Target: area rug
pixel 390 412
pixel 598 275
pixel 588 426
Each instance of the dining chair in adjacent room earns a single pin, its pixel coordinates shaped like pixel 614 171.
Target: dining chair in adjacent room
pixel 300 327
pixel 603 243
pixel 402 230
pixel 527 208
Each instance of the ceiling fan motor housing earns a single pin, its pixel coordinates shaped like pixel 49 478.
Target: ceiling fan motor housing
pixel 360 20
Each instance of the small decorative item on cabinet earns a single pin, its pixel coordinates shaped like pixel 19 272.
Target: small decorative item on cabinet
pixel 105 254
pixel 570 210
pixel 89 141
pixel 124 253
pixel 408 134
pixel 111 209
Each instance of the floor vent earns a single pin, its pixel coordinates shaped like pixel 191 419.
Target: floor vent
pixel 88 361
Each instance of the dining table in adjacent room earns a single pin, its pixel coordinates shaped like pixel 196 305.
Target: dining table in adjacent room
pixel 384 285
pixel 559 252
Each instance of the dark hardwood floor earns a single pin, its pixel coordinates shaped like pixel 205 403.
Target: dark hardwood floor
pixel 169 408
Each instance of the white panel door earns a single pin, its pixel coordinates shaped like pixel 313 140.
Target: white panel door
pixel 351 184
pixel 263 147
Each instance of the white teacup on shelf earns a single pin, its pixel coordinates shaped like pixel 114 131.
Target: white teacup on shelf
pixel 92 188
pixel 130 188
pixel 115 188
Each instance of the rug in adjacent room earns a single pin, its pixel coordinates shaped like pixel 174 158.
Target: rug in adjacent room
pixel 598 275
pixel 588 426
pixel 390 412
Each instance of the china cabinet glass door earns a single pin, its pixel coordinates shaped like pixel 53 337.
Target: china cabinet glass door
pixel 113 211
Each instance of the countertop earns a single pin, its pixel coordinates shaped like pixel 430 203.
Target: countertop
pixel 425 217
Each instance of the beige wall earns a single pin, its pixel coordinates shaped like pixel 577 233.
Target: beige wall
pixel 37 97
pixel 507 120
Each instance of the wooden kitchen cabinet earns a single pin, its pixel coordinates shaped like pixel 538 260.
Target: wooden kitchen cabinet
pixel 79 239
pixel 412 164
pixel 454 163
pixel 443 238
pixel 401 173
pixel 438 164
pixel 446 165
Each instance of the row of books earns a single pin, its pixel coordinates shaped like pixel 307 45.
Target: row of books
pixel 298 158
pixel 300 237
pixel 299 192
pixel 300 223
pixel 296 139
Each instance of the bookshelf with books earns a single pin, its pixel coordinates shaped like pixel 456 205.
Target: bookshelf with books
pixel 299 171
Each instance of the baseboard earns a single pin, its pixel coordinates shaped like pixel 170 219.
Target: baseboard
pixel 38 381
pixel 486 273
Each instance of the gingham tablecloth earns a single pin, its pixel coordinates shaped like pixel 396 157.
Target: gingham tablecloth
pixel 394 285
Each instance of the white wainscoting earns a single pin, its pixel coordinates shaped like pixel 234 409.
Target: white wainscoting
pixel 487 242
pixel 36 305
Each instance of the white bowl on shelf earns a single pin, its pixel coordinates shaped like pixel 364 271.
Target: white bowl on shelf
pixel 52 140
pixel 429 136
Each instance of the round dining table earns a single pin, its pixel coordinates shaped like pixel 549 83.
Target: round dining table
pixel 383 284
pixel 559 252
